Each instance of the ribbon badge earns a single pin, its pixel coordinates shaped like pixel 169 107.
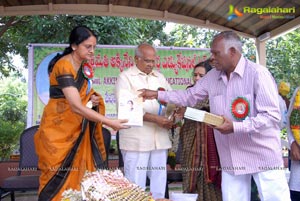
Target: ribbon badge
pixel 88 73
pixel 240 108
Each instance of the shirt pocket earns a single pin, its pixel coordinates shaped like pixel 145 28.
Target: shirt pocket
pixel 217 105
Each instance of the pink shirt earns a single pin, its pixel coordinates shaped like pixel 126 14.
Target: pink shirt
pixel 254 145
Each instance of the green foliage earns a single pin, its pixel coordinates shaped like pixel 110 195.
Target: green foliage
pixel 113 144
pixel 13 103
pixel 56 29
pixel 113 147
pixel 283 56
pixel 295 117
pixel 13 100
pixel 127 31
pixel 249 49
pixel 192 36
pixel 283 134
pixel 189 36
pixel 9 137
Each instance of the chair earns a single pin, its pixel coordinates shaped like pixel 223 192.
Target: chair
pixel 28 162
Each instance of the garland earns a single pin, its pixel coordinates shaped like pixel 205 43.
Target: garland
pixel 295 118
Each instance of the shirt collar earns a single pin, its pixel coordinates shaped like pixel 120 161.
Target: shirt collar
pixel 239 69
pixel 136 71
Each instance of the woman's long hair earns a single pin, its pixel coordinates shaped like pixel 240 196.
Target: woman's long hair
pixel 77 36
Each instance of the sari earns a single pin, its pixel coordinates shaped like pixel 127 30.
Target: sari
pixel 67 144
pixel 199 159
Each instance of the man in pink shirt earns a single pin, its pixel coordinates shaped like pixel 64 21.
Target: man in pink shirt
pixel 248 141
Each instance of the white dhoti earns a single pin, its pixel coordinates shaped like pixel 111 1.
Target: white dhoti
pixel 271 185
pixel 139 165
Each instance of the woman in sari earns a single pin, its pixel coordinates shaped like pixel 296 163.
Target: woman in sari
pixel 199 157
pixel 69 140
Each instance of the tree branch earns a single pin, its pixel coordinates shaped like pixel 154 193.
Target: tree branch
pixel 8 24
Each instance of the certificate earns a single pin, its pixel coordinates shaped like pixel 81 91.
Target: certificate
pixel 130 107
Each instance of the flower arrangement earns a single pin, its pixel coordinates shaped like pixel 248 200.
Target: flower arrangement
pixel 171 159
pixel 295 118
pixel 106 185
pixel 71 195
pixel 284 88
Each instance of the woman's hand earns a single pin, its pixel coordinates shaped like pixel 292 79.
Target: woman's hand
pixel 117 124
pixel 95 99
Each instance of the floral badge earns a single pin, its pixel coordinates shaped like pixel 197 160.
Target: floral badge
pixel 240 108
pixel 87 71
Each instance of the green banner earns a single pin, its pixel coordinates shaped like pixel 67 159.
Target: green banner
pixel 175 63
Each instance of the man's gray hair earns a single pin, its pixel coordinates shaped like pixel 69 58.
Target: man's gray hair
pixel 138 51
pixel 231 39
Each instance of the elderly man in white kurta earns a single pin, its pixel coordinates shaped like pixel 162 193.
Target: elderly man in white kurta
pixel 144 149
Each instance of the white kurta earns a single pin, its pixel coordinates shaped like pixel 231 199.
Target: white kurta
pixel 149 136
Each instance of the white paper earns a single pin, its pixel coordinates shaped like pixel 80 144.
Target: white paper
pixel 194 114
pixel 183 196
pixel 130 107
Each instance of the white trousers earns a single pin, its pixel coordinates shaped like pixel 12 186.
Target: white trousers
pixel 271 185
pixel 139 165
